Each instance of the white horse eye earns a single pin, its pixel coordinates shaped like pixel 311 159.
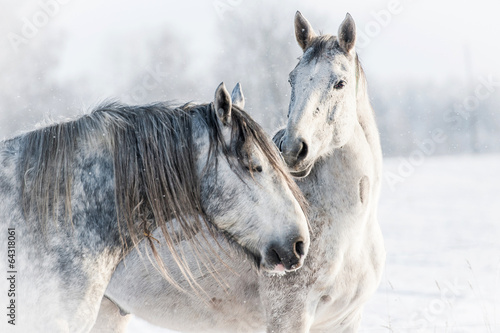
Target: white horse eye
pixel 255 168
pixel 339 85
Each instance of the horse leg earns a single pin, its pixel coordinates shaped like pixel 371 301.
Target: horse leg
pixel 109 319
pixel 281 319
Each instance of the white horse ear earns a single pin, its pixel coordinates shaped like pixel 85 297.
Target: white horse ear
pixel 304 32
pixel 237 96
pixel 347 34
pixel 223 104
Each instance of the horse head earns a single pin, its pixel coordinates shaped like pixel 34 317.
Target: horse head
pixel 322 110
pixel 248 194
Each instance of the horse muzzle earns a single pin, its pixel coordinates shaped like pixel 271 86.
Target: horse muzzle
pixel 280 259
pixel 295 152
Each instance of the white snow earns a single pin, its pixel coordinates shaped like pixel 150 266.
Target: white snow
pixel 442 235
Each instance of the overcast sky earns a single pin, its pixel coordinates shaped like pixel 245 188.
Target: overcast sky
pixel 419 40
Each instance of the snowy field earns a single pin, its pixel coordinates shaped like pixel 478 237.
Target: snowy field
pixel 442 234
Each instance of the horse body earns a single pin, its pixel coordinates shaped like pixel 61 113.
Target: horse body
pixel 70 191
pixel 346 254
pixel 61 270
pixel 231 304
pixel 341 271
pixel 331 141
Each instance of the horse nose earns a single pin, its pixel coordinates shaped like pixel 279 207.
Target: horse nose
pixel 294 151
pixel 299 249
pixel 289 256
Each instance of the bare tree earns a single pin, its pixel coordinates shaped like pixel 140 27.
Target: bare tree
pixel 258 48
pixel 168 74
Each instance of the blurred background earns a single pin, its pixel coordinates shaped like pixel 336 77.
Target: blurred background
pixel 425 60
pixel 434 80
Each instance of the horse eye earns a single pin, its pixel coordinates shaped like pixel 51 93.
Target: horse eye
pixel 339 85
pixel 255 168
pixel 290 81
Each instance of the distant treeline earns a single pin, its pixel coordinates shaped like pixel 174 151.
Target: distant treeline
pixel 258 49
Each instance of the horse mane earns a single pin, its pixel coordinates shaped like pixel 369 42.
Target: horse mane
pixel 154 165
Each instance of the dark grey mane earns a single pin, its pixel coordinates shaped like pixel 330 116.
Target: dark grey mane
pixel 154 165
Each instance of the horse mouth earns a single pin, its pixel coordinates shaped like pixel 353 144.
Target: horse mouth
pixel 272 269
pixel 280 269
pixel 302 173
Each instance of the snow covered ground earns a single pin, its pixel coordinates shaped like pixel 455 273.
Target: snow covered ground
pixel 441 225
pixel 442 234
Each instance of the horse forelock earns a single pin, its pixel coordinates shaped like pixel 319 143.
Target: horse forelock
pixel 319 46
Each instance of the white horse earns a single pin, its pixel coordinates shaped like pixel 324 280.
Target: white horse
pixel 76 196
pixel 331 141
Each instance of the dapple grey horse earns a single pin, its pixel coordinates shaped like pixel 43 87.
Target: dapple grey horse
pixel 75 198
pixel 331 144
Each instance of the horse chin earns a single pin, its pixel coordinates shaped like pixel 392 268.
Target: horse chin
pixel 279 270
pixel 302 173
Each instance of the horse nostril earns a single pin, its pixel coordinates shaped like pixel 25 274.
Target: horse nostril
pixel 299 249
pixel 289 256
pixel 274 257
pixel 302 151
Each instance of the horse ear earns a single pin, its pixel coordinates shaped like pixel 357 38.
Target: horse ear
pixel 237 96
pixel 222 104
pixel 304 32
pixel 347 34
